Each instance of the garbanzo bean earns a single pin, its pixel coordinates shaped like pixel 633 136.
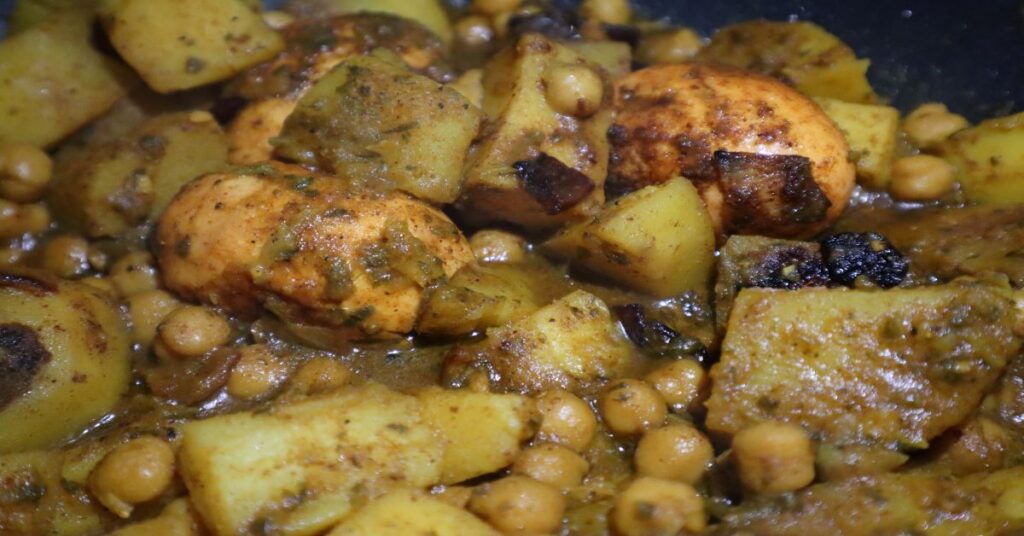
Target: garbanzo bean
pixel 493 7
pixel 631 406
pixel 551 464
pixel 16 220
pixel 674 452
pixel 773 458
pixel 519 505
pixel 320 374
pixel 491 245
pixel 565 419
pixel 671 46
pixel 607 11
pixel 474 30
pixel 682 383
pixel 257 372
pixel 134 273
pixel 191 331
pixel 652 506
pixel 573 90
pixel 931 124
pixel 135 472
pixel 66 256
pixel 25 172
pixel 921 178
pixel 147 310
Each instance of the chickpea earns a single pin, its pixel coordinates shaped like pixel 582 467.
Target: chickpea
pixel 519 505
pixel 931 124
pixel 565 419
pixel 674 452
pixel 135 472
pixel 573 90
pixel 25 172
pixel 492 245
pixel 672 46
pixel 66 256
pixel 773 458
pixel 682 383
pixel 16 220
pixel 98 258
pixel 654 506
pixel 191 331
pixel 552 464
pixel 147 310
pixel 320 374
pixel 493 7
pixel 474 30
pixel 257 372
pixel 607 11
pixel 134 273
pixel 921 178
pixel 11 255
pixel 631 406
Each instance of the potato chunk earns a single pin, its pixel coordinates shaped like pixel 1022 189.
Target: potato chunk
pixel 802 53
pixel 132 179
pixel 308 247
pixel 181 44
pixel 571 152
pixel 52 80
pixel 894 368
pixel 990 160
pixel 411 512
pixel 428 13
pixel 871 131
pixel 483 430
pixel 64 359
pixel 337 448
pixel 658 240
pixel 765 158
pixel 377 124
pixel 573 343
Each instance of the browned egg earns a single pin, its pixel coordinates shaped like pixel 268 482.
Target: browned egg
pixel 730 132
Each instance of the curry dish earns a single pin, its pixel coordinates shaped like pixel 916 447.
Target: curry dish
pixel 393 267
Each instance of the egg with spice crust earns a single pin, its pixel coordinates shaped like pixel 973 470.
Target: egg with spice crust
pixel 765 158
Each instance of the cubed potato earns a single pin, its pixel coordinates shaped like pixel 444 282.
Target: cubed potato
pixel 573 343
pixel 990 160
pixel 28 13
pixel 870 130
pixel 482 430
pixel 429 13
pixel 614 57
pixel 177 519
pixel 891 368
pixel 986 503
pixel 524 128
pixel 658 240
pixel 412 512
pixel 805 54
pixel 337 448
pixel 181 44
pixel 131 180
pixel 411 132
pixel 65 356
pixel 52 80
pixel 484 296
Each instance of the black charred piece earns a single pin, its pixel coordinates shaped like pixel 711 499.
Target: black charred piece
pixel 555 186
pixel 851 255
pixel 790 268
pixel 623 33
pixel 226 109
pixel 653 337
pixel 551 22
pixel 22 354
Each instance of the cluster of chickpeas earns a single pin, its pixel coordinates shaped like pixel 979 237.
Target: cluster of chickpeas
pixel 925 177
pixel 25 172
